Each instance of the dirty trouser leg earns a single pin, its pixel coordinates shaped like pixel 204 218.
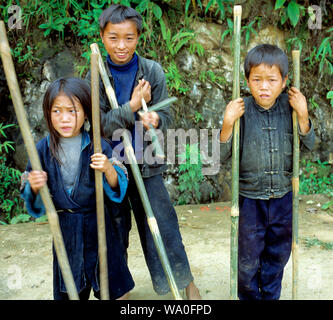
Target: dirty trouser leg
pixel 168 225
pixel 251 243
pixel 277 247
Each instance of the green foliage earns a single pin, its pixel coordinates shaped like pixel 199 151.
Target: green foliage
pixel 330 96
pixel 190 175
pixel 176 42
pixel 218 4
pixel 316 177
pixel 310 242
pixel 293 11
pixel 11 204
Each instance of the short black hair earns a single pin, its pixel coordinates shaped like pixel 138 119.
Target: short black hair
pixel 266 54
pixel 118 13
pixel 73 88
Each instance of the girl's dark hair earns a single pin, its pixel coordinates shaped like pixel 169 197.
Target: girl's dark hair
pixel 118 13
pixel 73 88
pixel 266 54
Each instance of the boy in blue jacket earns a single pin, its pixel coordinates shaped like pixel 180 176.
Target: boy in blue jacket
pixel 265 169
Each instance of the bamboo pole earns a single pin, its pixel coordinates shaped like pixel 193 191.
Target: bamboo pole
pixel 152 223
pixel 235 161
pixel 295 179
pixel 96 124
pixel 21 115
pixel 162 104
pixel 158 151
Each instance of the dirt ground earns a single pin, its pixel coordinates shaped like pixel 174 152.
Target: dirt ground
pixel 26 261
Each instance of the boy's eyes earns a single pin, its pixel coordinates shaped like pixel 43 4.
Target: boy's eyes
pixel 115 39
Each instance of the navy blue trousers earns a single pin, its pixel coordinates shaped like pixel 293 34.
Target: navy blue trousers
pixel 167 221
pixel 264 246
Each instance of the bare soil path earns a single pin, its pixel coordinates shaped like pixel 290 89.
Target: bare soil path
pixel 26 255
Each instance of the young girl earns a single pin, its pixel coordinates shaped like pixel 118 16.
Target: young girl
pixel 68 163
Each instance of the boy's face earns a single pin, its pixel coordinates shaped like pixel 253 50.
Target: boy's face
pixel 266 84
pixel 120 41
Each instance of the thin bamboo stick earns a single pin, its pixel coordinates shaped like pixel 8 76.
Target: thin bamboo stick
pixel 21 115
pixel 158 151
pixel 96 123
pixel 295 180
pixel 235 161
pixel 152 223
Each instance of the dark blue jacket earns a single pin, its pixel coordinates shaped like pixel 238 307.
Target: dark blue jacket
pixel 77 218
pixel 266 149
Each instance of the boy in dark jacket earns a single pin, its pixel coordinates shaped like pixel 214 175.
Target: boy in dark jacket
pixel 265 169
pixel 133 78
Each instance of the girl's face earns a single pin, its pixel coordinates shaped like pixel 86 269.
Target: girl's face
pixel 67 119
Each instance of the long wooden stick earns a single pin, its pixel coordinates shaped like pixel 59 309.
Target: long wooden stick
pixel 158 151
pixel 96 123
pixel 21 115
pixel 295 179
pixel 152 223
pixel 235 161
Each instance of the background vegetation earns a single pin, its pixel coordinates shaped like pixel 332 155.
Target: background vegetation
pixel 167 30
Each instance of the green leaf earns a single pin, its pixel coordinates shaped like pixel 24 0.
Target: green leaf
pixel 209 5
pixel 157 11
pixel 279 4
pixel 293 12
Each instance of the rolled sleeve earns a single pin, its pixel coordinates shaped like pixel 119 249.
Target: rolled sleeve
pixel 33 203
pixel 308 139
pixel 117 194
pixel 225 147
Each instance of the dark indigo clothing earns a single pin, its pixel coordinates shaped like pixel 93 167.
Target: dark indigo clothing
pixel 265 184
pixel 266 144
pixel 77 218
pixel 124 118
pixel 158 196
pixel 264 244
pixel 167 221
pixel 124 79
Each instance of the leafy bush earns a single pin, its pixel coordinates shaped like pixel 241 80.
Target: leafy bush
pixel 11 205
pixel 190 175
pixel 316 177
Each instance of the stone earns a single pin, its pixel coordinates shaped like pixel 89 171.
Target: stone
pixel 270 34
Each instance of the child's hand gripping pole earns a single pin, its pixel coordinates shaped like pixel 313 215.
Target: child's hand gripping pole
pixel 158 151
pixel 102 248
pixel 235 161
pixel 51 212
pixel 152 223
pixel 295 179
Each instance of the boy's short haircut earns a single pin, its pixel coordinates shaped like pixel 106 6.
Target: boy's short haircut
pixel 118 13
pixel 266 54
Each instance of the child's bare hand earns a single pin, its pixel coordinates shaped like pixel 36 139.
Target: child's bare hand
pixel 142 89
pixel 148 118
pixel 298 102
pixel 234 110
pixel 37 180
pixel 100 162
